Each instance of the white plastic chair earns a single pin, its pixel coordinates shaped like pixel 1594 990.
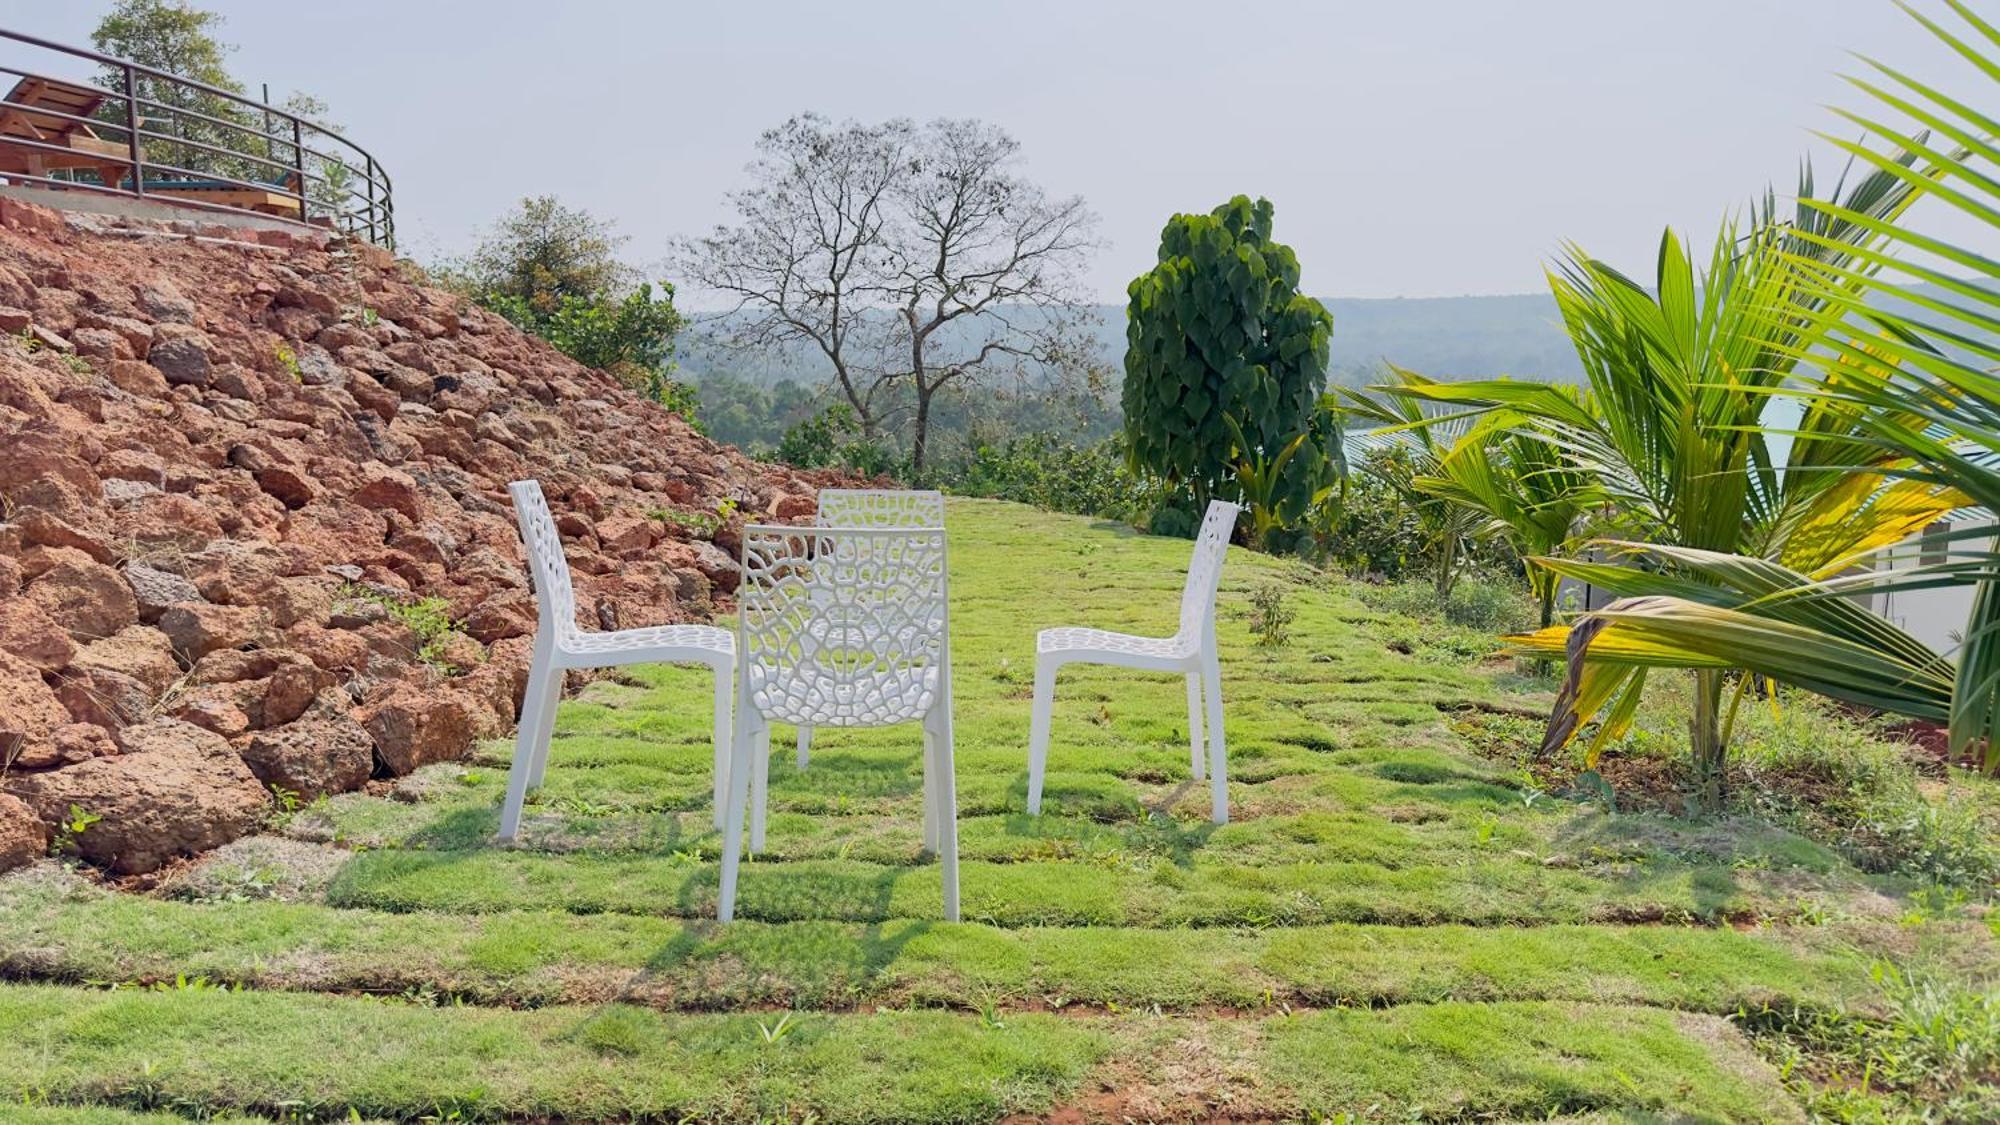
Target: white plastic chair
pixel 560 645
pixel 1190 651
pixel 871 507
pixel 841 627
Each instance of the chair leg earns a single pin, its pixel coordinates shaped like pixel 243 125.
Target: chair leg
pixel 1196 751
pixel 805 745
pixel 533 703
pixel 944 793
pixel 1038 733
pixel 545 725
pixel 930 788
pixel 760 784
pixel 1218 749
pixel 724 676
pixel 740 743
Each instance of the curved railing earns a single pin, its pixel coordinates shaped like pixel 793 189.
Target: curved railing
pixel 151 134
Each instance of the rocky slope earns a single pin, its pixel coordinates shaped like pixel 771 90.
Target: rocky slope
pixel 254 529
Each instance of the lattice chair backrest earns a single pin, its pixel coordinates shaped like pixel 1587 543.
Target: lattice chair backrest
pixel 1205 568
pixel 554 597
pixel 842 627
pixel 880 507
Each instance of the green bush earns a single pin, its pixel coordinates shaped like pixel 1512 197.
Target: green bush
pixel 1054 474
pixel 632 336
pixel 1481 603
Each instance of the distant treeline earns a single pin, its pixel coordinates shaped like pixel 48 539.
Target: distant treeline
pixel 1444 337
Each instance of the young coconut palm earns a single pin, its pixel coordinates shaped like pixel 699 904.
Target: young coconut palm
pixel 1504 474
pixel 1678 378
pixel 1911 327
pixel 1414 445
pixel 1903 340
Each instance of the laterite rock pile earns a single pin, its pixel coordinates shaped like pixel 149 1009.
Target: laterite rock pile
pixel 254 528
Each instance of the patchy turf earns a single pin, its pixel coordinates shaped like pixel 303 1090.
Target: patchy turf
pixel 1393 924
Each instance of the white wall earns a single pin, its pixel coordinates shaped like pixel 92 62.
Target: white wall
pixel 1935 617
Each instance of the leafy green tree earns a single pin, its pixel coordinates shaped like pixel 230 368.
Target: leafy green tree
pixel 174 36
pixel 542 254
pixel 1225 364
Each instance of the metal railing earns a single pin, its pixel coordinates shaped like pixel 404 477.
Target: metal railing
pixel 159 135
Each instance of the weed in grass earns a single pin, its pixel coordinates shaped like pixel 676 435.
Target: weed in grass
pixel 1934 1055
pixel 774 1031
pixel 1270 618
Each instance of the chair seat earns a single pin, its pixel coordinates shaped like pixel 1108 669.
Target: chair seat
pixel 652 642
pixel 859 699
pixel 1078 643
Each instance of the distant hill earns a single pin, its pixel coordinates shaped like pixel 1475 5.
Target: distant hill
pixel 1444 337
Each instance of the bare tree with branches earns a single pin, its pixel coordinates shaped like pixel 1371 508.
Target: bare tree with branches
pixel 913 258
pixel 982 268
pixel 806 253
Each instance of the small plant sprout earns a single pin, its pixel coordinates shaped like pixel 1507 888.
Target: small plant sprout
pixel 1270 618
pixel 773 1033
pixel 74 824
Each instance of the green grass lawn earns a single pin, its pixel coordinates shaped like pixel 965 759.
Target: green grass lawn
pixel 1394 924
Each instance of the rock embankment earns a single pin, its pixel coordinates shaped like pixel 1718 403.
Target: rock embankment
pixel 255 540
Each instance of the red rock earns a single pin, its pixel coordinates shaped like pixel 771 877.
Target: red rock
pixel 80 742
pixel 102 697
pixel 33 636
pixel 47 530
pixel 388 489
pixel 137 377
pixel 29 710
pixel 138 651
pixel 291 689
pixel 28 456
pixel 185 793
pixel 87 598
pixel 23 839
pixel 795 507
pixel 197 629
pixel 225 709
pixel 413 728
pixel 289 486
pixel 312 758
pixel 169 521
pixel 626 533
pixel 133 464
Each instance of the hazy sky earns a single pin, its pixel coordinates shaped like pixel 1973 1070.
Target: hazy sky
pixel 1415 148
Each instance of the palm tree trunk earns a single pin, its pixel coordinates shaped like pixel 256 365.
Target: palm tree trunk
pixel 1706 739
pixel 1447 567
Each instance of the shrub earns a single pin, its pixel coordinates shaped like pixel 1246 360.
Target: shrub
pixel 1225 363
pixel 632 337
pixel 1482 603
pixel 1052 473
